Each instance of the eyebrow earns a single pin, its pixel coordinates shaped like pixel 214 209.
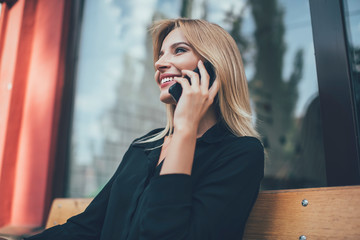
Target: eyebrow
pixel 174 45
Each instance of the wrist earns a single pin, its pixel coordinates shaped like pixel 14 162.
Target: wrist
pixel 185 130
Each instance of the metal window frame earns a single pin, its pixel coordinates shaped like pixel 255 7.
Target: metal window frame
pixel 335 91
pixel 59 182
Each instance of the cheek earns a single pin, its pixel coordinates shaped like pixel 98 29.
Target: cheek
pixel 188 62
pixel 156 77
pixel 188 65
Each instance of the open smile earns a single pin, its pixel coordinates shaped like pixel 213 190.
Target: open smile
pixel 167 78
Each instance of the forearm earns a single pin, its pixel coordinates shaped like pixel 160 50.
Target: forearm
pixel 180 154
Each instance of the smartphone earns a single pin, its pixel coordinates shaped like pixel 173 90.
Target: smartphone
pixel 176 90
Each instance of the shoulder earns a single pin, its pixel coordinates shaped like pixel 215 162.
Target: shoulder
pixel 248 143
pixel 238 158
pixel 240 153
pixel 243 144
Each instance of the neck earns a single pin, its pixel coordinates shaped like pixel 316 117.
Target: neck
pixel 207 121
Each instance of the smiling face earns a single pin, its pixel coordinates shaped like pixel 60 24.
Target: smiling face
pixel 176 54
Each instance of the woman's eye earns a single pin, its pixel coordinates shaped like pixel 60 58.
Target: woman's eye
pixel 180 50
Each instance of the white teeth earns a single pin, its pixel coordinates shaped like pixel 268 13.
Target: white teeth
pixel 167 79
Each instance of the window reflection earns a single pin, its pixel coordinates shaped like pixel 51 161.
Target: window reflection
pixel 116 96
pixel 284 90
pixel 117 99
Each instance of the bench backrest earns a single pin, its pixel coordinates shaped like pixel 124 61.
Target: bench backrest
pixel 64 208
pixel 314 213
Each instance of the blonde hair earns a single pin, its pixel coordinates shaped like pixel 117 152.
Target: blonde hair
pixel 216 46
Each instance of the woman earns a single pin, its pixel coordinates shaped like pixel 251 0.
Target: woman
pixel 197 178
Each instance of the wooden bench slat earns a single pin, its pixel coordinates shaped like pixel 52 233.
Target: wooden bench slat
pixel 64 208
pixel 331 213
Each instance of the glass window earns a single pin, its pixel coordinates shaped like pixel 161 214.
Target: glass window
pixel 283 83
pixel 116 95
pixel 352 19
pixel 117 99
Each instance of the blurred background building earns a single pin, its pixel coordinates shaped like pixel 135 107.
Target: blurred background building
pixel 77 86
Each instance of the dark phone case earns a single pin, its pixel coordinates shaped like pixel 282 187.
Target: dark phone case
pixel 175 90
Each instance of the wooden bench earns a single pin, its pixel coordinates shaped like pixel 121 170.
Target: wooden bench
pixel 64 208
pixel 313 213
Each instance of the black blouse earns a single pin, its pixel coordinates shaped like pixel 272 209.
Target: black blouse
pixel 138 203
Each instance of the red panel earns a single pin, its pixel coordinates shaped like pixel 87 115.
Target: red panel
pixel 31 79
pixel 8 127
pixel 38 115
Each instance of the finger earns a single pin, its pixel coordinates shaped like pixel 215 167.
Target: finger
pixel 204 81
pixel 194 78
pixel 214 89
pixel 183 82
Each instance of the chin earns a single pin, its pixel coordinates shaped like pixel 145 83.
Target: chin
pixel 167 98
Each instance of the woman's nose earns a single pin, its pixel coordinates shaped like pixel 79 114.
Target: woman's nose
pixel 162 63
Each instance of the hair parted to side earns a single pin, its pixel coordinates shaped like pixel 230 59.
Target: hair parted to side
pixel 216 46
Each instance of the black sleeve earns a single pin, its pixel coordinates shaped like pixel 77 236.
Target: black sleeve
pixel 86 225
pixel 216 208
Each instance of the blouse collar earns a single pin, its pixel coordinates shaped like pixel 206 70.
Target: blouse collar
pixel 216 133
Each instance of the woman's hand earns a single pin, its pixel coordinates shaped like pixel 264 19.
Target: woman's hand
pixel 192 107
pixel 195 99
